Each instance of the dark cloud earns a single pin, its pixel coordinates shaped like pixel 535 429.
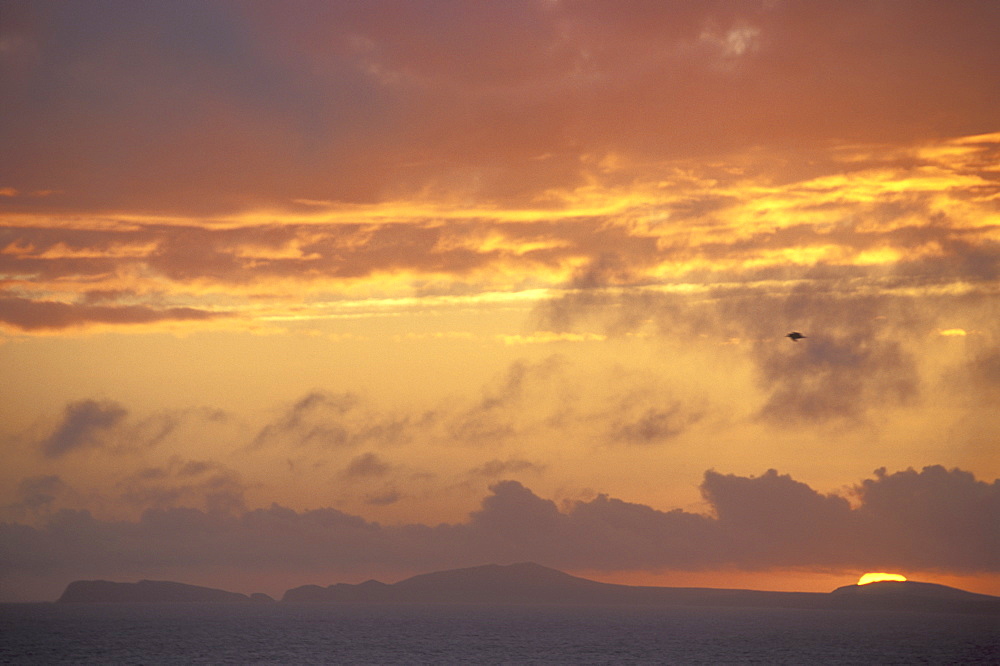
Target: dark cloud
pixel 156 428
pixel 500 414
pixel 861 352
pixel 779 521
pixel 306 420
pixel 838 377
pixel 336 100
pixel 612 313
pixel 981 375
pixel 367 465
pixel 83 425
pixel 334 420
pixel 37 494
pixel 857 356
pixel 652 425
pixel 205 485
pixel 495 468
pixel 931 515
pixel 31 315
pixel 108 425
pixel 609 269
pixel 384 498
pixel 194 468
pixel 931 519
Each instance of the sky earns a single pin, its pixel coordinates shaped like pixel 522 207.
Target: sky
pixel 318 292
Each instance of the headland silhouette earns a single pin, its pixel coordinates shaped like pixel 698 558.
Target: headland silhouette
pixel 533 584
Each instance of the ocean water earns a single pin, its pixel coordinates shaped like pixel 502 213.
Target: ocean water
pixel 454 634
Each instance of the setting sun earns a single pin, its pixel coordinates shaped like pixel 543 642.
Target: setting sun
pixel 879 577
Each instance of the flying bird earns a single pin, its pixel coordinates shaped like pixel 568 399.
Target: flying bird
pixel 795 336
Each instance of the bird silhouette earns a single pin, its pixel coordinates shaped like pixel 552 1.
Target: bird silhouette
pixel 795 336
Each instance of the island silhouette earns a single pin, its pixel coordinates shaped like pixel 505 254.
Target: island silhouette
pixel 152 591
pixel 533 584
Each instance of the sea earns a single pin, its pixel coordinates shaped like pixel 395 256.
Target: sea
pixel 283 633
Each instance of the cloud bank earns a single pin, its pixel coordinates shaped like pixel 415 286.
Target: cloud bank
pixel 925 520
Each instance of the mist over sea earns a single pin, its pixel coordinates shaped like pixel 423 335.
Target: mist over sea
pixel 471 634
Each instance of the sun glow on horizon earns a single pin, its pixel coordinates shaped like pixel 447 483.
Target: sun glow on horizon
pixel 879 577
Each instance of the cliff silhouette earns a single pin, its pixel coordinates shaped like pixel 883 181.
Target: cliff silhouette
pixel 533 584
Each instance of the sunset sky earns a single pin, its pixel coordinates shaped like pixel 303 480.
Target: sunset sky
pixel 324 291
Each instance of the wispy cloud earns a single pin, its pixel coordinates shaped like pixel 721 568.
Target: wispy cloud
pixel 109 427
pixel 323 420
pixel 82 426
